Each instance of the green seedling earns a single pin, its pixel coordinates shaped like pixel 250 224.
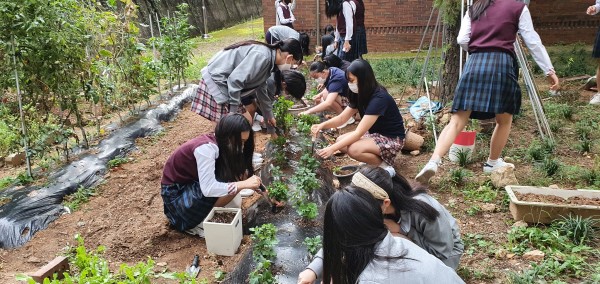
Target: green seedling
pixel 263 241
pixel 578 229
pixel 307 210
pixel 278 191
pixel 117 162
pixel 313 244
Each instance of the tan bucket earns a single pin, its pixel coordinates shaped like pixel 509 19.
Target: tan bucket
pixel 412 141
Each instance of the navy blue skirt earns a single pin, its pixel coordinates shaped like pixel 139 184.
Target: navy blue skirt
pixel 596 51
pixel 185 206
pixel 358 45
pixel 488 86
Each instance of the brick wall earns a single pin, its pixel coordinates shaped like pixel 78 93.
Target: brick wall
pixel 398 25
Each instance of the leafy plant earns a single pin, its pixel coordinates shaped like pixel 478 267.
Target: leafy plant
pixel 278 191
pixel 307 210
pixel 80 196
pixel 284 119
pixel 584 146
pixel 483 193
pixel 312 244
pixel 262 273
pixel 550 166
pixel 6 182
pixel 117 162
pixel 175 46
pixel 539 151
pixel 263 241
pixel 459 176
pixel 304 122
pixel 578 229
pixel 305 180
pixel 276 172
pixel 463 158
pixel 220 275
pixel 473 210
pixel 309 161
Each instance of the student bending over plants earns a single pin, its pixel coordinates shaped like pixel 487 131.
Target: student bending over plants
pixel 358 248
pixel 380 134
pixel 208 171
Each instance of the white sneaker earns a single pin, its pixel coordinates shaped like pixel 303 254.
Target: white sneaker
pixel 487 168
pixel 595 99
pixel 256 126
pixel 198 230
pixel 350 121
pixel 427 172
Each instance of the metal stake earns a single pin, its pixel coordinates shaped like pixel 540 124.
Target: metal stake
pixel 23 129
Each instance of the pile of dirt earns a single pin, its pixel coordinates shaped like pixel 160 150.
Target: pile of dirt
pixel 553 199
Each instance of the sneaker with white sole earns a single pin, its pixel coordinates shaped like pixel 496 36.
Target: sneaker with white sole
pixel 427 172
pixel 198 230
pixel 595 99
pixel 256 126
pixel 487 168
pixel 350 121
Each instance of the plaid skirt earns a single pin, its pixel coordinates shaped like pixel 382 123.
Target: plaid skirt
pixel 389 147
pixel 488 86
pixel 205 105
pixel 358 45
pixel 596 51
pixel 185 206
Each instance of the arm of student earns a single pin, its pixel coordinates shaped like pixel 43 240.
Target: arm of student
pixel 534 43
pixel 438 236
pixel 324 105
pixel 464 34
pixel 316 265
pixel 280 16
pixel 206 156
pixel 365 124
pixel 349 18
pixel 254 63
pixel 265 101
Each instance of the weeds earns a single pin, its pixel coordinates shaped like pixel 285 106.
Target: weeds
pixel 80 196
pixel 578 229
pixel 550 166
pixel 484 193
pixel 463 157
pixel 313 244
pixel 117 162
pixel 460 176
pixel 584 146
pixel 473 210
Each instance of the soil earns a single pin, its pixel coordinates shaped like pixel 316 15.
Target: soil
pixel 343 172
pixel 223 217
pixel 552 199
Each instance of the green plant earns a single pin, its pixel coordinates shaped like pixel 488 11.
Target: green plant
pixel 584 146
pixel 279 141
pixel 309 161
pixel 313 244
pixel 304 122
pixel 305 180
pixel 279 158
pixel 584 128
pixel 276 172
pixel 80 196
pixel 463 157
pixel 262 274
pixel 578 229
pixel 174 45
pixel 559 111
pixel 459 176
pixel 117 162
pixel 263 241
pixel 284 119
pixel 483 193
pixel 473 210
pixel 278 191
pixel 6 182
pixel 538 151
pixel 307 210
pixel 220 275
pixel 550 166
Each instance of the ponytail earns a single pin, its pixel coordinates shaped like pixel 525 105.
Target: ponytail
pixel 478 8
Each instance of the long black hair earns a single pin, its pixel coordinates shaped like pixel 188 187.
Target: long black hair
pixel 295 83
pixel 401 194
pixel 305 43
pixel 367 84
pixel 352 227
pixel 333 60
pixel 317 66
pixel 290 45
pixel 478 8
pixel 235 157
pixel 333 7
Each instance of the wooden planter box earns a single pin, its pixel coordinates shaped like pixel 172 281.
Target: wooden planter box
pixel 223 239
pixel 542 212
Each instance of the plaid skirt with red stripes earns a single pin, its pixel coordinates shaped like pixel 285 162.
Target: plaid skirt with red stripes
pixel 389 147
pixel 205 105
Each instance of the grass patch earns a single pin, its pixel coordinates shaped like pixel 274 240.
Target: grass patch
pixel 117 162
pixel 80 196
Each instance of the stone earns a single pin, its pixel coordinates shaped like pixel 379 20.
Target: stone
pixel 80 224
pixel 445 119
pixel 509 159
pixel 534 255
pixel 336 183
pixel 162 264
pixel 501 253
pixel 520 224
pixel 488 207
pixel 415 152
pixel 15 159
pixel 510 255
pixel 503 177
pixel 554 186
pixel 33 259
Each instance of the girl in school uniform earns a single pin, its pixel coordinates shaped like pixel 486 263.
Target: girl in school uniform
pixel 335 89
pixel 284 13
pixel 281 33
pixel 350 34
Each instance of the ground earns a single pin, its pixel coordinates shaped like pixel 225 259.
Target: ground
pixel 126 214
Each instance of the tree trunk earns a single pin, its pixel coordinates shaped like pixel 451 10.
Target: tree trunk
pixel 451 62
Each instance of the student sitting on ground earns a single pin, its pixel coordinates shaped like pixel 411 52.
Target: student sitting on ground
pixel 333 61
pixel 208 171
pixel 408 212
pixel 334 95
pixel 380 134
pixel 358 248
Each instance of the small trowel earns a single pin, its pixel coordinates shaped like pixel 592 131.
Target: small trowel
pixel 263 192
pixel 194 269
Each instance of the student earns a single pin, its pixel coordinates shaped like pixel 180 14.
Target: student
pixel 489 85
pixel 240 70
pixel 380 134
pixel 327 41
pixel 289 81
pixel 333 61
pixel 281 33
pixel 350 34
pixel 284 12
pixel 335 87
pixel 593 10
pixel 208 171
pixel 357 247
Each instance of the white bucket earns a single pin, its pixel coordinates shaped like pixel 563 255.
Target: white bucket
pixel 464 143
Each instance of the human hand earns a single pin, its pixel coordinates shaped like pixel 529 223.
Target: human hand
pixel 554 82
pixel 252 182
pixel 325 152
pixel 272 121
pixel 315 128
pixel 319 87
pixel 307 277
pixel 591 10
pixel 392 226
pixel 335 45
pixel 346 46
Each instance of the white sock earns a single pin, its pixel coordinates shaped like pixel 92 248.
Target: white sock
pixel 383 165
pixel 492 162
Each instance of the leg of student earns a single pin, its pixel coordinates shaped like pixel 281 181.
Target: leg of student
pixel 365 150
pixel 335 107
pixel 500 136
pixel 224 200
pixel 251 109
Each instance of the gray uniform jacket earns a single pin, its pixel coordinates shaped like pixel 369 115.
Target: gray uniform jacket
pixel 279 33
pixel 416 265
pixel 240 72
pixel 440 238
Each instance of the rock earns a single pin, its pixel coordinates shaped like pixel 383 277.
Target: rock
pixel 33 259
pixel 520 224
pixel 488 207
pixel 336 183
pixel 15 159
pixel 534 255
pixel 509 159
pixel 510 256
pixel 501 253
pixel 162 264
pixel 415 152
pixel 554 186
pixel 503 177
pixel 445 119
pixel 80 224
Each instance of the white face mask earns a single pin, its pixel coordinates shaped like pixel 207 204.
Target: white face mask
pixel 353 87
pixel 285 66
pixel 320 80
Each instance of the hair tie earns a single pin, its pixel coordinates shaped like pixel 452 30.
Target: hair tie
pixel 362 181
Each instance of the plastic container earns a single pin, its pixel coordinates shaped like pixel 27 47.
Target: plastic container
pixel 464 143
pixel 542 212
pixel 223 239
pixel 347 176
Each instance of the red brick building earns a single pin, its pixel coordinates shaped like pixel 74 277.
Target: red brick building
pixel 398 25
